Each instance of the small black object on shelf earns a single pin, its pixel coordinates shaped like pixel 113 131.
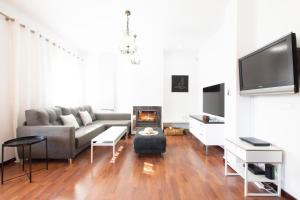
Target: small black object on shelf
pixel 270 171
pixel 255 169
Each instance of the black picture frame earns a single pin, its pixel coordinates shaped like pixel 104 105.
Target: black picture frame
pixel 180 83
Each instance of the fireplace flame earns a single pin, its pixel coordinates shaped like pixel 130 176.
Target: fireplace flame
pixel 147 116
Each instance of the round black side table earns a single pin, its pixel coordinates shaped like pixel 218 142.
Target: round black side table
pixel 22 142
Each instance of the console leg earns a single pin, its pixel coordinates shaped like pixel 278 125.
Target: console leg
pixel 225 166
pixel 246 180
pixel 206 149
pixel 279 180
pixel 70 161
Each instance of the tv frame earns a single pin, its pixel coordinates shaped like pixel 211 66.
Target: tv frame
pixel 210 114
pixel 294 88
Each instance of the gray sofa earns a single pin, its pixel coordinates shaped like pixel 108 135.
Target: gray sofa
pixel 64 142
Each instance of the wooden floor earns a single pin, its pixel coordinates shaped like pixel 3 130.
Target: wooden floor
pixel 183 172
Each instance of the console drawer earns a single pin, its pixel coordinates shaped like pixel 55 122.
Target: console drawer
pixel 236 150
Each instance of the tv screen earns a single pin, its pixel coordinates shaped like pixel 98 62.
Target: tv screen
pixel 213 100
pixel 271 69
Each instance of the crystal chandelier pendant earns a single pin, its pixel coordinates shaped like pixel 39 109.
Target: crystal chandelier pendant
pixel 135 58
pixel 128 46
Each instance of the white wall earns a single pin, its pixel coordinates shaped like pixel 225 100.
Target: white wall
pixel 140 84
pixel 100 80
pixel 177 106
pixel 217 62
pixel 274 118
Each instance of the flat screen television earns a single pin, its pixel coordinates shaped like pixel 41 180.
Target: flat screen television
pixel 271 69
pixel 213 100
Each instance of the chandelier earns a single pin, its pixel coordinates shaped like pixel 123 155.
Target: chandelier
pixel 128 46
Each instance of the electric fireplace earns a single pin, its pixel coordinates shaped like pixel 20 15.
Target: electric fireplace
pixel 147 116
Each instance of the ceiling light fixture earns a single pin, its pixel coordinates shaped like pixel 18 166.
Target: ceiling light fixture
pixel 135 58
pixel 128 46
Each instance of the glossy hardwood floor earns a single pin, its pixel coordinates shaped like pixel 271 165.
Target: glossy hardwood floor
pixel 183 172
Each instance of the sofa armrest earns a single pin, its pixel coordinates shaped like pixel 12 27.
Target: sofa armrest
pixel 113 116
pixel 61 140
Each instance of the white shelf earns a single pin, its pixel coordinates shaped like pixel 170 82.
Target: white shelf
pixel 240 169
pixel 244 155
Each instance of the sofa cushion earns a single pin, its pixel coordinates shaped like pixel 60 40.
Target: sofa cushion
pixel 113 116
pixel 74 111
pixel 85 117
pixel 85 134
pixel 54 116
pixel 90 110
pixel 110 123
pixel 37 117
pixel 69 120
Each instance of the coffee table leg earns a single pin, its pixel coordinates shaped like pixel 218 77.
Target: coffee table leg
pixel 92 152
pixel 30 163
pixel 2 165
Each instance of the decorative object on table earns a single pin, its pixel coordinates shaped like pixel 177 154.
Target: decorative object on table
pixel 174 131
pixel 180 83
pixel 205 118
pixel 22 142
pixel 148 131
pixel 128 46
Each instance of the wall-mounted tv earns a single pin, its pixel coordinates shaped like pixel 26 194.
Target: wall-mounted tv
pixel 271 69
pixel 213 100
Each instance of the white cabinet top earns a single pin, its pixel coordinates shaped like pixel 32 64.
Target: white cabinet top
pixel 249 147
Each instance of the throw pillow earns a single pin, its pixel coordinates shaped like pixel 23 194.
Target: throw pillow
pixel 85 117
pixel 37 117
pixel 69 120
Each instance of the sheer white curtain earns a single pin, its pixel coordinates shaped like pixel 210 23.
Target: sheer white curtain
pixel 34 74
pixel 6 122
pixel 44 75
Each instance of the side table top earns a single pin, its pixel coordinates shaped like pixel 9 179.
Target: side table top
pixel 28 140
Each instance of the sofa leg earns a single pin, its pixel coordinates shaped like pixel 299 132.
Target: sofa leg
pixel 70 161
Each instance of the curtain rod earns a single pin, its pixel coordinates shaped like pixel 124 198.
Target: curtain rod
pixel 8 18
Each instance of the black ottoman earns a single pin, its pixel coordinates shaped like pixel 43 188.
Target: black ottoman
pixel 149 144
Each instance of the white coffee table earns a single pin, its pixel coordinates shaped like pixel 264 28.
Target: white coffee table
pixel 110 137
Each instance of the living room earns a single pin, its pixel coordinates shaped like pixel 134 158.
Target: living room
pixel 116 99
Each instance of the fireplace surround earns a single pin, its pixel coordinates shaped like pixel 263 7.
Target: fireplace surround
pixel 147 116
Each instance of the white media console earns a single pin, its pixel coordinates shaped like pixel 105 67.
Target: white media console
pixel 247 153
pixel 210 134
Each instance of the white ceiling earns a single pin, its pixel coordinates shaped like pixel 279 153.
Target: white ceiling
pixel 96 25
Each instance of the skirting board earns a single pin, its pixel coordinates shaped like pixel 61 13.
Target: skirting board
pixel 8 162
